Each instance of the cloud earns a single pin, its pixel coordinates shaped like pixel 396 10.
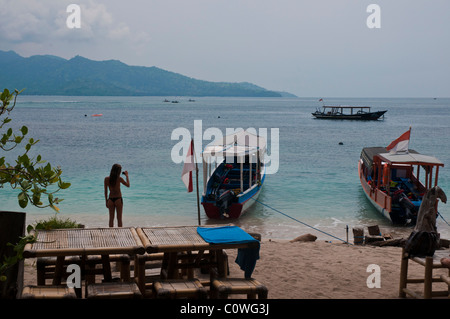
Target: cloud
pixel 44 21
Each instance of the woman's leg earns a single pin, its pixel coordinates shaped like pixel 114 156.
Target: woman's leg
pixel 119 208
pixel 111 208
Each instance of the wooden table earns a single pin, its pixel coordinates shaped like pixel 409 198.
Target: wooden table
pixel 61 243
pixel 172 241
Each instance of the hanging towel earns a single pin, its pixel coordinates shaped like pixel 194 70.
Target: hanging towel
pixel 246 257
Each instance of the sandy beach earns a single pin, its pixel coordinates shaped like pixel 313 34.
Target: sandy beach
pixel 318 270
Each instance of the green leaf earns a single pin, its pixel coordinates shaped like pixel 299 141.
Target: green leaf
pixel 5 94
pixel 30 228
pixel 37 199
pixel 63 185
pixel 23 200
pixel 24 130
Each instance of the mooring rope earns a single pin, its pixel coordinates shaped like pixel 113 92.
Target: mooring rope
pixel 443 219
pixel 299 221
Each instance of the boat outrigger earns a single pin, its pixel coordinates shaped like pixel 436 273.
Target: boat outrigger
pixel 237 176
pixel 391 181
pixel 348 113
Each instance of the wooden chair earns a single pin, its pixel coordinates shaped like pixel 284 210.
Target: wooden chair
pixel 48 292
pixel 429 264
pixel 183 266
pixel 46 267
pixel 147 268
pixel 222 288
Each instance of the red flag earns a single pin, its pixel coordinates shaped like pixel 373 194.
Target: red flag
pixel 188 167
pixel 401 144
pixel 320 100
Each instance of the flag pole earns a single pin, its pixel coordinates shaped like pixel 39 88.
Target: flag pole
pixel 198 200
pixel 196 175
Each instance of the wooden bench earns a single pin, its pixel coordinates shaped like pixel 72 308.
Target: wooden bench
pixel 222 288
pixel 48 292
pixel 179 288
pixel 113 290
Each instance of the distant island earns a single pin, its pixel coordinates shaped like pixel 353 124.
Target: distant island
pixel 52 75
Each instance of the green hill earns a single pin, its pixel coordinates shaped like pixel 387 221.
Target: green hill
pixel 52 75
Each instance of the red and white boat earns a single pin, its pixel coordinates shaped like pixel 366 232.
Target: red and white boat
pixel 391 180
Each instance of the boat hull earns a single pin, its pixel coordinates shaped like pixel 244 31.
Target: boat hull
pixel 379 200
pixel 382 202
pixel 238 208
pixel 235 211
pixel 372 116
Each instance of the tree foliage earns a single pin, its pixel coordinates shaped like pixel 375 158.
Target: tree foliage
pixel 31 176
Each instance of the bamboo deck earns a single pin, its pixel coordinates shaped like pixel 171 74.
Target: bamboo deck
pixel 181 238
pixel 60 242
pixel 173 235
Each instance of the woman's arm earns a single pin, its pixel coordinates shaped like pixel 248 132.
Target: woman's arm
pixel 106 182
pixel 127 182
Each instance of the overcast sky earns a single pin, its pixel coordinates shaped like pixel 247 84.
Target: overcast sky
pixel 312 48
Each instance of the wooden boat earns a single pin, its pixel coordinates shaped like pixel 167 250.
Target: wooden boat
pixel 362 113
pixel 233 174
pixel 391 181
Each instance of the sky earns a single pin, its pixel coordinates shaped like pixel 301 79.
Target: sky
pixel 311 48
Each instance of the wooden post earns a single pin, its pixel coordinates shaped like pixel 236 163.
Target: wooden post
pixel 428 283
pixel 358 235
pixel 403 274
pixel 12 227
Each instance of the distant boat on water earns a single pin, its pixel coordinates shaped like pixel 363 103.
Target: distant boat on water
pixel 390 176
pixel 362 113
pixel 233 174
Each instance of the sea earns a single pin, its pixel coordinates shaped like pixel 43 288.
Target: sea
pixel 313 187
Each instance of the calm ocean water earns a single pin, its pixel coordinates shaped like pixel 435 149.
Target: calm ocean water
pixel 317 181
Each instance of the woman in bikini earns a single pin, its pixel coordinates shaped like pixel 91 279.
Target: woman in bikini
pixel 114 201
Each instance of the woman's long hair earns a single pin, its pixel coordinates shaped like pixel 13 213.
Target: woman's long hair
pixel 114 175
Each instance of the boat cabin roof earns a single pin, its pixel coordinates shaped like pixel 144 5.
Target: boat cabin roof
pixel 237 144
pixel 411 157
pixel 345 107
